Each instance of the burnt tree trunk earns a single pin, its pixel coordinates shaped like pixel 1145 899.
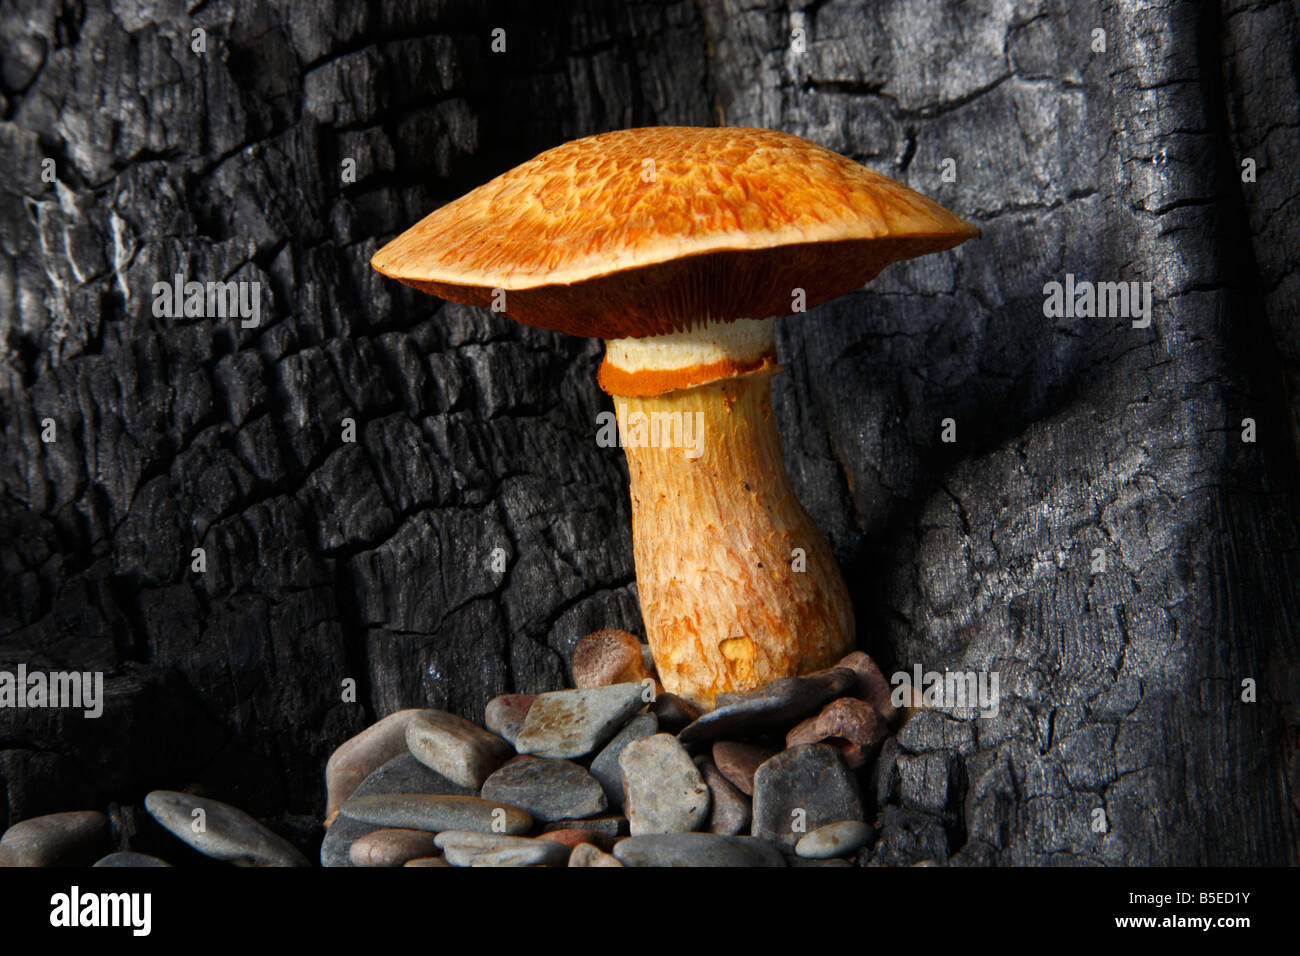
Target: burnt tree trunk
pixel 372 560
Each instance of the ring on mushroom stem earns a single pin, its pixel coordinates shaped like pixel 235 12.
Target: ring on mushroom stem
pixel 681 265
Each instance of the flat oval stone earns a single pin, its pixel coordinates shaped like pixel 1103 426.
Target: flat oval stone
pixel 452 746
pixel 549 789
pixel 806 786
pixel 777 705
pixel 127 858
pixel 402 774
pixel 584 854
pixel 423 811
pixel 505 709
pixel 358 757
pixel 696 849
pixel 738 762
pixel 574 723
pixel 391 846
pixel 834 839
pixel 227 833
pixel 56 839
pixel 427 861
pixel 663 790
pixel 495 849
pixel 605 767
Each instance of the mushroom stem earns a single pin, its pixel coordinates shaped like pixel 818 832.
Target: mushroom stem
pixel 737 585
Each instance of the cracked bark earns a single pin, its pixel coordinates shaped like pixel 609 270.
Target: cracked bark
pixel 371 561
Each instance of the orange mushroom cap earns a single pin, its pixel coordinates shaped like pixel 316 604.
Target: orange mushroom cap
pixel 651 231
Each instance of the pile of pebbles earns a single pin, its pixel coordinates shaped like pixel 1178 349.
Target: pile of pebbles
pixel 616 772
pixel 613 772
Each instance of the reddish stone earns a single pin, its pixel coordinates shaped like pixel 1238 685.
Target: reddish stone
pixel 853 726
pixel 738 762
pixel 505 709
pixel 609 656
pixel 572 837
pixel 871 686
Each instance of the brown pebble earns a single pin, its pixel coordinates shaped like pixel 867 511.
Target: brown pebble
pixel 853 726
pixel 573 837
pixel 427 861
pixel 739 761
pixel 608 657
pixel 391 846
pixel 872 685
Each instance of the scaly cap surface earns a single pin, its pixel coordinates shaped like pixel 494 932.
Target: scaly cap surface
pixel 649 231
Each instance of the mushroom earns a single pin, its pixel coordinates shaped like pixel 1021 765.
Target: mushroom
pixel 679 246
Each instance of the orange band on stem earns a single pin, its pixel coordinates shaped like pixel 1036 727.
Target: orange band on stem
pixel 650 382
